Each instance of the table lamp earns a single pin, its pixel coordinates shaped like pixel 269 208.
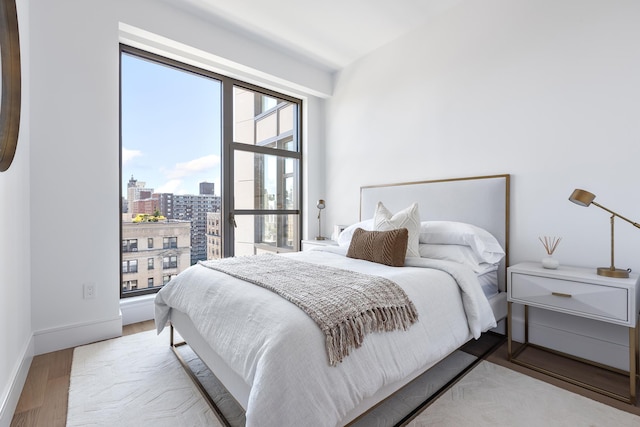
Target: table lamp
pixel 584 198
pixel 320 205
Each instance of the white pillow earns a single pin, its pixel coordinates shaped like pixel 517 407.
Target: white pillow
pixel 344 238
pixel 408 218
pixel 456 253
pixel 483 243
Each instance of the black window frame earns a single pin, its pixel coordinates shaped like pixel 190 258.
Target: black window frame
pixel 227 212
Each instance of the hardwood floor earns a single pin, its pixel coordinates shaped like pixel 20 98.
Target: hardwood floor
pixel 587 373
pixel 43 401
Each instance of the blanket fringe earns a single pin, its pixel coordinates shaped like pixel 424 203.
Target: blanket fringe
pixel 350 332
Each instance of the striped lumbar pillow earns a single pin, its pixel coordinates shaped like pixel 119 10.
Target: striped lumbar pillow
pixel 383 247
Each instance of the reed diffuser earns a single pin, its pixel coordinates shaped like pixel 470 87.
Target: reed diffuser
pixel 550 244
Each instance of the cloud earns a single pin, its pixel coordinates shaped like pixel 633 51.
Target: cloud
pixel 169 186
pixel 194 166
pixel 128 155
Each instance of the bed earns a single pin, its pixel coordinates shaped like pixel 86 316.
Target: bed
pixel 271 356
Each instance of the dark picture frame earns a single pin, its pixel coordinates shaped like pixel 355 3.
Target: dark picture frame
pixel 11 83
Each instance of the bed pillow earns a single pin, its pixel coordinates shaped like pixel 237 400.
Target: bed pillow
pixel 456 253
pixel 483 243
pixel 409 218
pixel 344 238
pixel 383 247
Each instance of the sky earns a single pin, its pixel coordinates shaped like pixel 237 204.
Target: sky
pixel 171 127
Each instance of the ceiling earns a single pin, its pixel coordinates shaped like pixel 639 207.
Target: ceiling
pixel 329 33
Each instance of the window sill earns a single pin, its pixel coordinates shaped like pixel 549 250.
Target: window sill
pixel 137 309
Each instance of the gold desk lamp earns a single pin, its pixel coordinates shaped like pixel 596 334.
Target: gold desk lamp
pixel 320 206
pixel 584 198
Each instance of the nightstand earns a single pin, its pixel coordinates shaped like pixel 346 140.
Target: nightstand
pixel 309 244
pixel 578 292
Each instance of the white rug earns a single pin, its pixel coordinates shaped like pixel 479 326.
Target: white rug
pixel 492 395
pixel 136 380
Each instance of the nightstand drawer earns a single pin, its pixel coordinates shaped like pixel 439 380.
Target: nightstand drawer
pixel 586 299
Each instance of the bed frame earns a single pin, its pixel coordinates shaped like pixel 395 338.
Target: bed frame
pixel 482 201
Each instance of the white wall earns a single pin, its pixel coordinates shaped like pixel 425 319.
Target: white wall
pixel 75 145
pixel 546 91
pixel 16 349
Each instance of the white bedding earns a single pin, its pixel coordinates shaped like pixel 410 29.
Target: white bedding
pixel 279 350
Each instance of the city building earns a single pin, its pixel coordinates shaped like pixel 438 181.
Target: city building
pixel 214 235
pixel 153 253
pixel 192 208
pixel 136 190
pixel 207 188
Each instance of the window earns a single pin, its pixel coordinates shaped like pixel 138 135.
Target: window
pixel 170 262
pixel 181 127
pixel 130 245
pixel 266 153
pixel 150 282
pixel 169 243
pixel 130 266
pixel 129 285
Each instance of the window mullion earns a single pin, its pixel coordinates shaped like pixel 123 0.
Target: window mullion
pixel 228 223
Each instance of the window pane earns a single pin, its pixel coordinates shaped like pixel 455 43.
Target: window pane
pixel 266 233
pixel 263 120
pixel 171 145
pixel 263 181
pixel 171 133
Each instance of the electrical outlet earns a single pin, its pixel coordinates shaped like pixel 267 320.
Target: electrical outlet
pixel 89 290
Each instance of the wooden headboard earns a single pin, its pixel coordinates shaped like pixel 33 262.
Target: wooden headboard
pixel 482 201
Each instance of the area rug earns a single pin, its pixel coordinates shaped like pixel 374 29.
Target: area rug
pixel 492 395
pixel 136 380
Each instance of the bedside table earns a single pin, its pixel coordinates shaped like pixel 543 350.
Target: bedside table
pixel 578 292
pixel 309 244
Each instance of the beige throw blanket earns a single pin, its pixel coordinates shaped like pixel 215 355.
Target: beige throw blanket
pixel 346 305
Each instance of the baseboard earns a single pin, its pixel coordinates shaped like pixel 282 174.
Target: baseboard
pixel 59 338
pixel 596 341
pixel 137 309
pixel 10 400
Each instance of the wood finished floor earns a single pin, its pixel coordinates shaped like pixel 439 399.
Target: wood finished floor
pixel 43 401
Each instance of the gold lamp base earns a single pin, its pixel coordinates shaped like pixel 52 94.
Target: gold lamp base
pixel 613 272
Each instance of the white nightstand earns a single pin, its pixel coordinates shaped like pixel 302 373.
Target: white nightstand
pixel 579 292
pixel 309 244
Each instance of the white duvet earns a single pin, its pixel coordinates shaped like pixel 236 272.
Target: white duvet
pixel 279 350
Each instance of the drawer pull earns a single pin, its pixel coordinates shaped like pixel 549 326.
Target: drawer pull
pixel 560 294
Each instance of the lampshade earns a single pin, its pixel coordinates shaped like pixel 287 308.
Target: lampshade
pixel 320 204
pixel 582 197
